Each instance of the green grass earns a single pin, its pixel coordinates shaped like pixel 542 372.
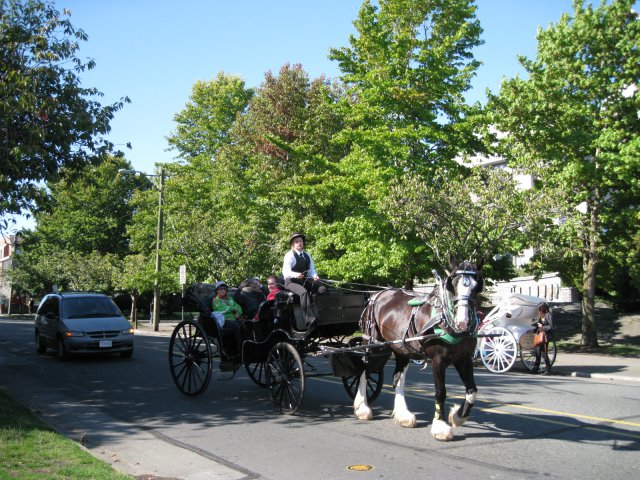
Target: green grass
pixel 29 449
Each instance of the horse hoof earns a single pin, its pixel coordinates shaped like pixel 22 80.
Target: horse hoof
pixel 408 420
pixel 363 413
pixel 441 431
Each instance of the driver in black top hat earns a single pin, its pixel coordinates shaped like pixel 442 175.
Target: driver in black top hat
pixel 300 276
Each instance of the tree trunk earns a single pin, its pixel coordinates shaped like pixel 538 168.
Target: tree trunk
pixel 589 266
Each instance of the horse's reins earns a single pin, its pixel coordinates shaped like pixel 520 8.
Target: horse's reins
pixel 335 284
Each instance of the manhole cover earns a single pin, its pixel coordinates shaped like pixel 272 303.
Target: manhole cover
pixel 359 468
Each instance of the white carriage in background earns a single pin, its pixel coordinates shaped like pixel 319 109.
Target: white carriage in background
pixel 507 332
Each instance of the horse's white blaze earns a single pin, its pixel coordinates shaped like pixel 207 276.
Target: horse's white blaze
pixel 360 407
pixel 465 288
pixel 401 413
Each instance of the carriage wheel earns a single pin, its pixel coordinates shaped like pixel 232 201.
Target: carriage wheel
pixel 528 351
pixel 190 358
pixel 257 372
pixel 499 351
pixel 375 381
pixel 285 377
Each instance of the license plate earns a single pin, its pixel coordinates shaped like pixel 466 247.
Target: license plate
pixel 105 344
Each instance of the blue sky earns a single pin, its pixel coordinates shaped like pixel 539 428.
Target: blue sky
pixel 153 51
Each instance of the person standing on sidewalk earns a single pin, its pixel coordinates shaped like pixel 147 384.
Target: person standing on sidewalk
pixel 545 323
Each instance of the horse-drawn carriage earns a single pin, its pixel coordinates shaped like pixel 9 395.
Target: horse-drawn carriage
pixel 507 332
pixel 272 348
pixel 441 327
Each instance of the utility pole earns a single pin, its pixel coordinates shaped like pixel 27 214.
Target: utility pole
pixel 156 282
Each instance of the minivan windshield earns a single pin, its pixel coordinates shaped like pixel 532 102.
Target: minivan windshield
pixel 89 307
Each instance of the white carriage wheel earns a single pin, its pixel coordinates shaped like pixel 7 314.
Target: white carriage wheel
pixel 498 351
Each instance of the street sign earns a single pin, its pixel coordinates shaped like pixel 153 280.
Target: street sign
pixel 183 274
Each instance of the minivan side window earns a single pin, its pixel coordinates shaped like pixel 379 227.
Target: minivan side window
pixel 50 306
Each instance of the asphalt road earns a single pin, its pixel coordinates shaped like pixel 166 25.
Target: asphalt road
pixel 130 413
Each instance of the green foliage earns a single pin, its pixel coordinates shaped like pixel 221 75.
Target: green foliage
pixel 47 119
pixel 203 125
pixel 405 74
pixel 574 123
pixel 230 208
pixel 368 166
pixel 478 215
pixel 79 242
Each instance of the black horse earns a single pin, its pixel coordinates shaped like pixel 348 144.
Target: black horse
pixel 441 329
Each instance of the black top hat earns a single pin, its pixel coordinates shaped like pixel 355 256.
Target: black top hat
pixel 297 235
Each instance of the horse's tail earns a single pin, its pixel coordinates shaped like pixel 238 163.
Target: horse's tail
pixel 368 323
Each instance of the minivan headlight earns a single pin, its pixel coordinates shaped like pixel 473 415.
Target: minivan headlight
pixel 74 334
pixel 128 332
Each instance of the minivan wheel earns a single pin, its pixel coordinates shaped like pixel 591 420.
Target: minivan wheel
pixel 62 350
pixel 41 347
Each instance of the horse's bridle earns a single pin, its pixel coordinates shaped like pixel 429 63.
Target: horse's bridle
pixel 451 303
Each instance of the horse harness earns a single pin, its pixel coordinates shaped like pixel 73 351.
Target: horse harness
pixel 443 325
pixel 441 300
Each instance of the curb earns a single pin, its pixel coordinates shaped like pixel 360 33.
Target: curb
pixel 603 376
pixel 600 376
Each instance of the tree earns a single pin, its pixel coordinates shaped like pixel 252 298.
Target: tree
pixel 200 230
pixel 203 125
pixel 80 238
pixel 47 119
pixel 575 124
pixel 405 74
pixel 479 215
pixel 244 185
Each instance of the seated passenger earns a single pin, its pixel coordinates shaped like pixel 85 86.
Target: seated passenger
pixel 224 304
pixel 272 285
pixel 250 294
pixel 227 314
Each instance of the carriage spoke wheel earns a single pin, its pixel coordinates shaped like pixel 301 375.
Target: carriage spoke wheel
pixel 528 352
pixel 375 381
pixel 190 358
pixel 499 351
pixel 257 372
pixel 285 377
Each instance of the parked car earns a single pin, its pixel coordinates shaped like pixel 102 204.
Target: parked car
pixel 82 323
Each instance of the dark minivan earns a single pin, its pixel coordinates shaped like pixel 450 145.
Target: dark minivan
pixel 82 323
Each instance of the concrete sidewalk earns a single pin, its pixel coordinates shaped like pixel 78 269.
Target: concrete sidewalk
pixel 585 365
